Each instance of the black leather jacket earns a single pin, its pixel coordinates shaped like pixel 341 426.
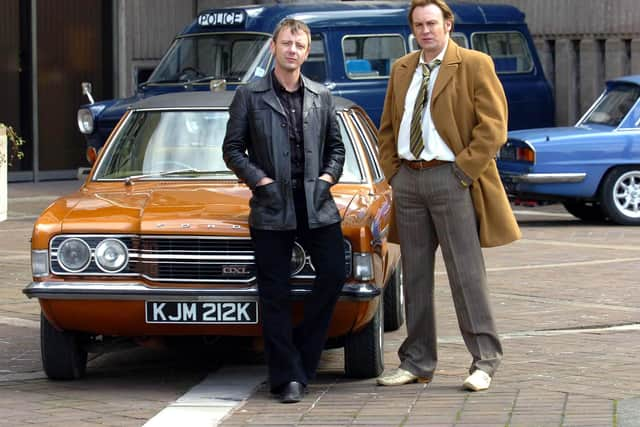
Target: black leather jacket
pixel 257 145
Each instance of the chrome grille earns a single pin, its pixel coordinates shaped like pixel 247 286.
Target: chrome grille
pixel 193 259
pixel 196 245
pixel 196 259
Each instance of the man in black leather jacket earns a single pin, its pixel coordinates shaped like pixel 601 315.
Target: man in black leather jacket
pixel 283 140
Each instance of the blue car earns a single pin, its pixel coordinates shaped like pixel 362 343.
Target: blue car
pixel 593 168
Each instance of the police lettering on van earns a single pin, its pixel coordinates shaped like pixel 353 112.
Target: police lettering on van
pixel 352 48
pixel 221 18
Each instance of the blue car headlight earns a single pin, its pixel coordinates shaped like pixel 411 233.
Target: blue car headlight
pixel 85 121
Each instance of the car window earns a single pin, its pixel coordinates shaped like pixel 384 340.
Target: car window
pixel 157 142
pixel 154 142
pixel 352 170
pixel 315 67
pixel 369 135
pixel 508 50
pixel 613 106
pixel 371 56
pixel 459 38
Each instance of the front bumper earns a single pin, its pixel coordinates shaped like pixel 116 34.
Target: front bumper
pixel 138 291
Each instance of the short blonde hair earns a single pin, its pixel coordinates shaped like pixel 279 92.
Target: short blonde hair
pixel 294 25
pixel 447 13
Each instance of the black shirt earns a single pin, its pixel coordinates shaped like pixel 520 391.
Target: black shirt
pixel 292 104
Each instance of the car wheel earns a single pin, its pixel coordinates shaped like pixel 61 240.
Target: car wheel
pixel 364 350
pixel 620 196
pixel 587 212
pixel 394 301
pixel 63 356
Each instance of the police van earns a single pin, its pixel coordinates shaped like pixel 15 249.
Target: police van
pixel 353 45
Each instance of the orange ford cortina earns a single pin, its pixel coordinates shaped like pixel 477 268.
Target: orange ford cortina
pixel 156 242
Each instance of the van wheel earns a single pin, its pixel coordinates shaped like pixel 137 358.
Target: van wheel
pixel 394 301
pixel 364 350
pixel 586 212
pixel 63 356
pixel 620 196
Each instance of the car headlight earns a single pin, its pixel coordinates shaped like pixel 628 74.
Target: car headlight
pixel 298 259
pixel 111 255
pixel 40 263
pixel 362 266
pixel 85 121
pixel 74 255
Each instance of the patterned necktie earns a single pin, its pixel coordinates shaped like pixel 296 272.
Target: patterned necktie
pixel 416 144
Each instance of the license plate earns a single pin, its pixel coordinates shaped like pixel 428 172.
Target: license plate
pixel 205 312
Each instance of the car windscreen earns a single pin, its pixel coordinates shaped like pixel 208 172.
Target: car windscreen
pixel 613 106
pixel 181 145
pixel 235 57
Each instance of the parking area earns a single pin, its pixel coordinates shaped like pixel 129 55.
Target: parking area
pixel 565 300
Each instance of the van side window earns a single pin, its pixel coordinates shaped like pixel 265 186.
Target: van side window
pixel 508 50
pixel 315 67
pixel 371 56
pixel 459 38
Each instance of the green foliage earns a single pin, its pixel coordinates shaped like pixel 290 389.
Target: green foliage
pixel 14 146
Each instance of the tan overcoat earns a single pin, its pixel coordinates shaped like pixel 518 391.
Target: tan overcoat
pixel 469 111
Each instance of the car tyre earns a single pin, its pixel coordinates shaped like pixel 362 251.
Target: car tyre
pixel 584 211
pixel 364 349
pixel 394 301
pixel 620 195
pixel 63 356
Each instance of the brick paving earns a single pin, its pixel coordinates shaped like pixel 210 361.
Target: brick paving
pixel 565 299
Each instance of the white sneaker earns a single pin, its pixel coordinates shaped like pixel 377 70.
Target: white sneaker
pixel 400 377
pixel 477 381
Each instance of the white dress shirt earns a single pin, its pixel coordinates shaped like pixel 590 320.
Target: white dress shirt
pixel 434 146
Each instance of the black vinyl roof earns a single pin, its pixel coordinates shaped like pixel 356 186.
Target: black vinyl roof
pixel 203 100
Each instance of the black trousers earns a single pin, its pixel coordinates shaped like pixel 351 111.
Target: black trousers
pixel 293 353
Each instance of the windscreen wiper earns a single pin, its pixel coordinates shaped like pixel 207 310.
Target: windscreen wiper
pixel 149 82
pixel 178 172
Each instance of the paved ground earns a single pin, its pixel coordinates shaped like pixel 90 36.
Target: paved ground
pixel 565 298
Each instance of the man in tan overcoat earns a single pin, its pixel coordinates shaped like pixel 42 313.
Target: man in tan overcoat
pixel 444 119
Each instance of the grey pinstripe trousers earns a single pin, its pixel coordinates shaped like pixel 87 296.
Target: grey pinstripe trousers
pixel 433 209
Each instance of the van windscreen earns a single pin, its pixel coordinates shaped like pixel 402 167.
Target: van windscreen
pixel 234 57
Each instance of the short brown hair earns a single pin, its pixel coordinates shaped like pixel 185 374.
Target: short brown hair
pixel 294 26
pixel 444 7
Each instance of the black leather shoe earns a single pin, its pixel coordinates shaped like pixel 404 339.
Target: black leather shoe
pixel 292 392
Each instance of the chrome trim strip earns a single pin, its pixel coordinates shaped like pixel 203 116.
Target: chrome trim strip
pixel 546 178
pixel 138 291
pixel 192 280
pixel 190 237
pixel 154 255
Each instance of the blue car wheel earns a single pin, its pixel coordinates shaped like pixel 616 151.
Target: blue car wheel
pixel 620 196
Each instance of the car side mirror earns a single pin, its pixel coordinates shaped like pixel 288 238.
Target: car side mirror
pixel 86 90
